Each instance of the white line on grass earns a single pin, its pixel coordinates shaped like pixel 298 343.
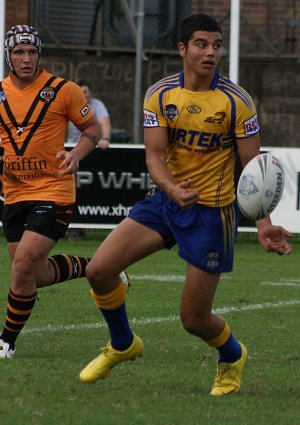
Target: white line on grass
pixel 153 320
pixel 281 284
pixel 292 280
pixel 164 278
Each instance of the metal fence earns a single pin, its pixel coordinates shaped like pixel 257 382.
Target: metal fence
pixel 108 25
pixel 268 28
pixel 98 37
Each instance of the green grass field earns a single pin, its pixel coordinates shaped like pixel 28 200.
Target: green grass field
pixel 170 384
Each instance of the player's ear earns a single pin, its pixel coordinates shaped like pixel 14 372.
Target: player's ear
pixel 182 49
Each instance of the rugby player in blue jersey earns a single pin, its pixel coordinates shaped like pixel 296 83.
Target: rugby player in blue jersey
pixel 195 123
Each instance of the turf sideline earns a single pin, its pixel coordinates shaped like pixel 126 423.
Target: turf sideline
pixel 153 320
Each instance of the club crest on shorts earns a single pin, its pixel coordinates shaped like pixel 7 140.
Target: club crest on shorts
pixel 213 260
pixel 47 94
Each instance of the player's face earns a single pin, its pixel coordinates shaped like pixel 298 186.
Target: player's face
pixel 24 59
pixel 203 53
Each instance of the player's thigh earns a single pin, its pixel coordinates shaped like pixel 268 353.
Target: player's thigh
pixel 129 242
pixel 198 292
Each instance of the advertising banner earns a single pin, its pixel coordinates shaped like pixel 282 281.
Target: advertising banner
pixel 287 213
pixel 110 182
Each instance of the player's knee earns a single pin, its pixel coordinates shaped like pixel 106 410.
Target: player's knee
pixel 195 324
pixel 95 272
pixel 189 323
pixel 91 272
pixel 23 267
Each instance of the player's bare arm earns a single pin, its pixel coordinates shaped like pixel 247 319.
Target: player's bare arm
pixel 156 143
pixel 89 138
pixel 248 148
pixel 90 132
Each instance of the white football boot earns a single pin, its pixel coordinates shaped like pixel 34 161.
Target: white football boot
pixel 5 351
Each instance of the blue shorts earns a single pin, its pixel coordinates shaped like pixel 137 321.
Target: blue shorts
pixel 205 235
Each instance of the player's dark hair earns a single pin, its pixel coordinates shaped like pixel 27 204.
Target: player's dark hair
pixel 83 82
pixel 196 22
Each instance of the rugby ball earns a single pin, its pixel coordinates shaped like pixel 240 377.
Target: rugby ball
pixel 260 186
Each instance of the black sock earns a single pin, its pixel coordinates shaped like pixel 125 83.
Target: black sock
pixel 67 267
pixel 19 308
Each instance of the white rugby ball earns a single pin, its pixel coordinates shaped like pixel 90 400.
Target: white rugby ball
pixel 260 186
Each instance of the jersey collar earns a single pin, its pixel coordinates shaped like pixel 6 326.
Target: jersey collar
pixel 214 82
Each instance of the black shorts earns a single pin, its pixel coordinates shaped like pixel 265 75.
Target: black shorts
pixel 44 217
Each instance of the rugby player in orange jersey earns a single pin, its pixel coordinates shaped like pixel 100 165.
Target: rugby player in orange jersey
pixel 38 174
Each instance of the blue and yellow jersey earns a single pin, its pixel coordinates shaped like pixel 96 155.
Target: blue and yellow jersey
pixel 203 128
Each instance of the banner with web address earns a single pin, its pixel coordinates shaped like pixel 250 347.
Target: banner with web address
pixel 110 182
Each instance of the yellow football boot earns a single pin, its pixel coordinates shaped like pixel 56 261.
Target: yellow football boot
pixel 229 375
pixel 100 367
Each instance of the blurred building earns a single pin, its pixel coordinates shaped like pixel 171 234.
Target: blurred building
pixel 94 39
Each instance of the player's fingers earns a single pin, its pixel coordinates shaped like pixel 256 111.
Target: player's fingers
pixel 66 171
pixel 282 231
pixel 287 234
pixel 185 184
pixel 61 154
pixel 279 248
pixel 288 249
pixel 64 164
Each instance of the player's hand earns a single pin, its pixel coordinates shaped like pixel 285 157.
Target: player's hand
pixel 70 162
pixel 273 239
pixel 184 196
pixel 103 144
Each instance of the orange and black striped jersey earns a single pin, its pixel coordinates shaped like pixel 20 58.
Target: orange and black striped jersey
pixel 203 128
pixel 33 125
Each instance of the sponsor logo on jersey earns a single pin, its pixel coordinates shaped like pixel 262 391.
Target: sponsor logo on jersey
pixel 171 111
pixel 193 109
pixel 85 110
pixel 217 119
pixel 251 126
pixel 150 119
pixel 2 96
pixel 200 141
pixel 24 163
pixel 47 94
